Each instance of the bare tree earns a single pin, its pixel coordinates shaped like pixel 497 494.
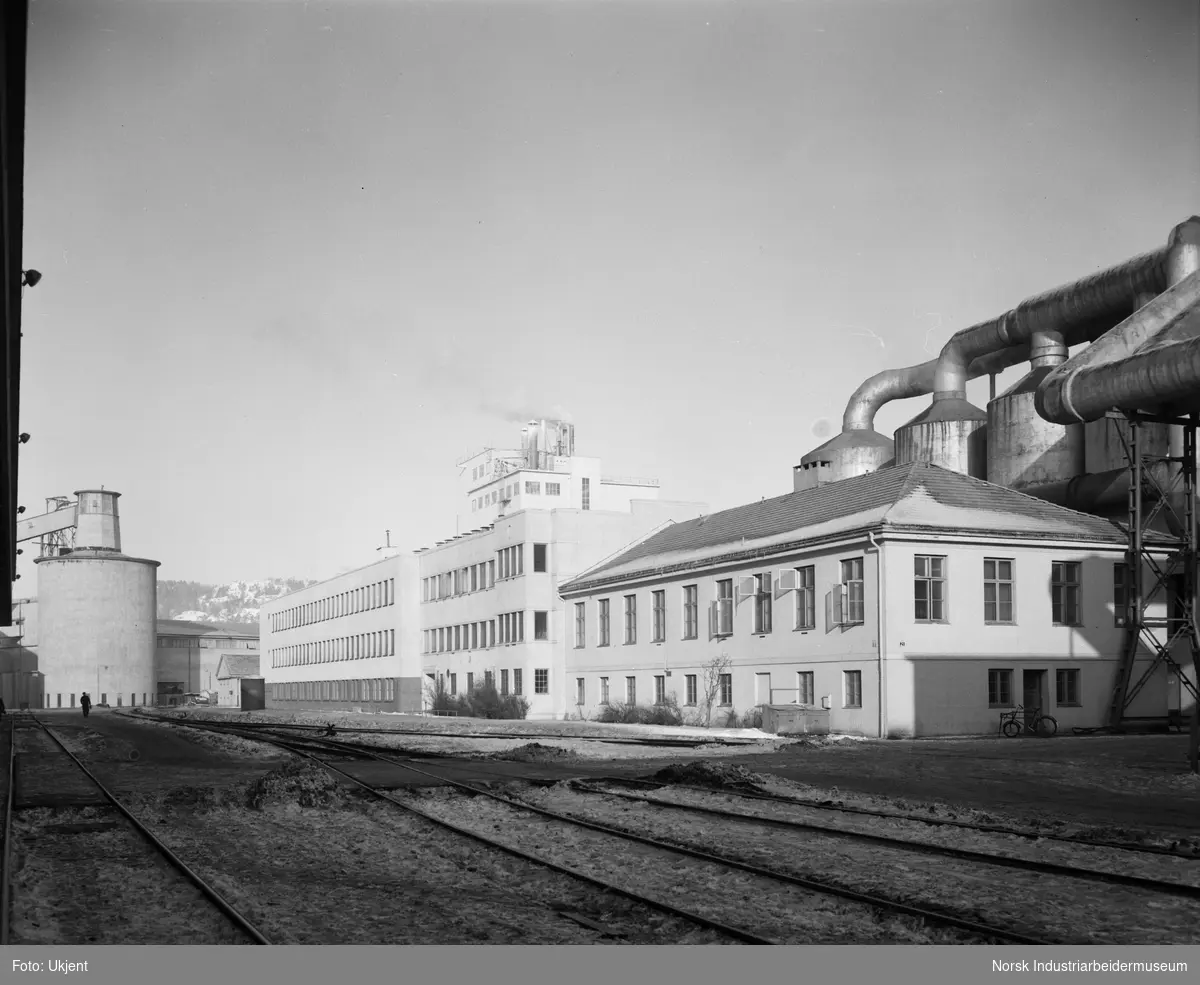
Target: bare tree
pixel 713 671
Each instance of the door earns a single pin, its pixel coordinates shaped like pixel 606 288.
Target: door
pixel 1033 694
pixel 762 689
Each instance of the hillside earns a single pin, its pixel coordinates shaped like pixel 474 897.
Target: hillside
pixel 236 603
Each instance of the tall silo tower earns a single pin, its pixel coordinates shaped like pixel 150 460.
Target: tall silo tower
pixel 97 614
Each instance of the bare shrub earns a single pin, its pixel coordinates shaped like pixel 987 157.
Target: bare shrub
pixel 666 713
pixel 483 701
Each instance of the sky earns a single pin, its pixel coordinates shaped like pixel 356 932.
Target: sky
pixel 299 258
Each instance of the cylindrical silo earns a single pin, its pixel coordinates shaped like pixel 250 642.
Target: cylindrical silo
pixel 97 623
pixel 97 523
pixel 845 455
pixel 951 433
pixel 1024 449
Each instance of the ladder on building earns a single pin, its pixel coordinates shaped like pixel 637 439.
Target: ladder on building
pixel 1149 576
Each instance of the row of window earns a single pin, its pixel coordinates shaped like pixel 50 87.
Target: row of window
pixel 373 596
pixel 369 689
pixel 508 627
pixel 359 646
pixel 208 642
pixel 58 700
pixel 541 681
pixel 510 490
pixel 509 563
pixel 1000 688
pixel 930 600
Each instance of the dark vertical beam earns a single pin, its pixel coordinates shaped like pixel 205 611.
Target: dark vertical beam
pixel 14 23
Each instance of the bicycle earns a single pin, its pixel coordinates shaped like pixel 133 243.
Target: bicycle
pixel 1014 723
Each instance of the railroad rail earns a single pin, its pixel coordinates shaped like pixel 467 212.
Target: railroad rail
pixel 896 816
pixel 882 904
pixel 1166 887
pixel 218 901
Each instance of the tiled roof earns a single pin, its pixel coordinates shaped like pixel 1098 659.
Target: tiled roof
pixel 237 665
pixel 899 498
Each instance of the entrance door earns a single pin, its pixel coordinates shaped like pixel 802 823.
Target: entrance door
pixel 1034 696
pixel 762 689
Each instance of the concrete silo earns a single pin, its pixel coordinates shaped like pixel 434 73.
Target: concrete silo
pixel 98 611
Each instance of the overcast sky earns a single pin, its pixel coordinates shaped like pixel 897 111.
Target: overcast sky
pixel 300 257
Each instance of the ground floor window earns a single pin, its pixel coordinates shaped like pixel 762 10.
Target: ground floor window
pixel 1066 687
pixel 631 690
pixel 454 683
pixel 804 685
pixel 726 690
pixel 518 683
pixel 853 687
pixel 1000 688
pixel 579 690
pixel 541 681
pixel 603 690
pixel 690 682
pixel 504 682
pixel 660 689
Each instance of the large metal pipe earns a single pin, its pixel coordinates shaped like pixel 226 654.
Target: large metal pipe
pixel 1080 311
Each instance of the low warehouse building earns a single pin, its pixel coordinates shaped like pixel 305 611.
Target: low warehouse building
pixel 910 601
pixel 233 672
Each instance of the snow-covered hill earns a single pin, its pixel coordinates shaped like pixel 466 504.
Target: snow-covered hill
pixel 237 602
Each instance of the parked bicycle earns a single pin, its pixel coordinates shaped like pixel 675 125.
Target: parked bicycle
pixel 1015 722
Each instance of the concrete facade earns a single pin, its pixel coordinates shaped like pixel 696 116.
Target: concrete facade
pixel 96 624
pixel 891 669
pixel 352 642
pixel 490 604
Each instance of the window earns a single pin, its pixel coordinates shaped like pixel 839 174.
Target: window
pixel 659 608
pixel 660 688
pixel 631 690
pixel 630 618
pixel 852 680
pixel 852 591
pixel 533 487
pixel 602 639
pixel 541 625
pixel 553 489
pixel 539 555
pixel 762 603
pixel 1066 687
pixel 1120 594
pixel 929 588
pixel 691 612
pixel 454 683
pixel 470 682
pixel 604 690
pixel 724 608
pixel 997 590
pixel 1064 593
pixel 1000 688
pixel 690 689
pixel 517 681
pixel 580 625
pixel 806 597
pixel 489 679
pixel 541 681
pixel 586 485
pixel 504 682
pixel 807 695
pixel 726 689
pixel 579 691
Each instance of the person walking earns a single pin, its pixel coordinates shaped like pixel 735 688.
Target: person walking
pixel 85 703
pixel 2 708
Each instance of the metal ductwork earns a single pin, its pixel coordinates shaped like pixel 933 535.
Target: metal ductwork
pixel 1040 330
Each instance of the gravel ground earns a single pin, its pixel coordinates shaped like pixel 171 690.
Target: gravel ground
pixel 85 876
pixel 1066 910
pixel 395 878
pixel 785 913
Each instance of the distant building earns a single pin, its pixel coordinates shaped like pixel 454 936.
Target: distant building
pixel 910 601
pixel 231 670
pixel 188 655
pixel 478 606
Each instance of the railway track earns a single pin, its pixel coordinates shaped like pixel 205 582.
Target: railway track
pixel 314 748
pixel 62 768
pixel 1166 887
